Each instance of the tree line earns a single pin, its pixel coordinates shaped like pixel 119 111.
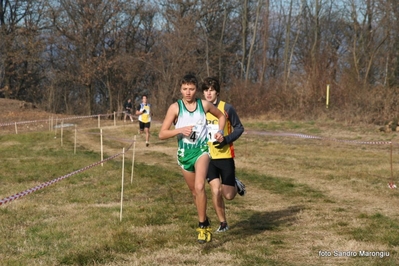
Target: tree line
pixel 89 56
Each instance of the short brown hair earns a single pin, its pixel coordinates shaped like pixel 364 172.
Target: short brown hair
pixel 189 79
pixel 211 82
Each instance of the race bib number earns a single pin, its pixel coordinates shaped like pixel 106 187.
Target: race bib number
pixel 212 130
pixel 196 131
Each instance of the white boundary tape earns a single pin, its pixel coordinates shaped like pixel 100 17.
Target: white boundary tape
pixel 46 120
pixel 284 134
pixel 391 184
pixel 46 184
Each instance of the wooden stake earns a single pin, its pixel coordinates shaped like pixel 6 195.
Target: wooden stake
pixel 134 151
pixel 74 146
pixel 123 172
pixel 62 132
pixel 101 146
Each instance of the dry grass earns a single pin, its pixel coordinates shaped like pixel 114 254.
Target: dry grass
pixel 304 196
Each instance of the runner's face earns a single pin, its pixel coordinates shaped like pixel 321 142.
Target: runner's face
pixel 188 91
pixel 210 95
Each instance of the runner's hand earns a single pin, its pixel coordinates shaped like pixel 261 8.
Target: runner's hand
pixel 219 145
pixel 186 131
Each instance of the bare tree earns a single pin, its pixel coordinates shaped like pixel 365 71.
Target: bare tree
pixel 366 39
pixel 254 35
pixel 20 49
pixel 215 51
pixel 244 36
pixel 177 50
pixel 264 42
pixel 102 43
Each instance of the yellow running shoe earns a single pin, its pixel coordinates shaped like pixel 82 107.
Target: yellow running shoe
pixel 204 234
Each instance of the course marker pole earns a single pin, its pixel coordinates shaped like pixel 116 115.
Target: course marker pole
pixel 391 184
pixel 62 132
pixel 123 172
pixel 16 128
pixel 101 145
pixel 114 119
pixel 56 124
pixel 74 145
pixel 134 151
pixel 328 95
pixel 98 121
pixel 391 164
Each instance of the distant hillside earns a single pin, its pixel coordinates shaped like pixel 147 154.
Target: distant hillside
pixel 14 110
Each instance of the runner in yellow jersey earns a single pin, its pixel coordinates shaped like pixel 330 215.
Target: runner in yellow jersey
pixel 144 113
pixel 221 171
pixel 189 117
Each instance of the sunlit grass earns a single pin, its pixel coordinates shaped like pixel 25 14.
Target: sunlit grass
pixel 303 196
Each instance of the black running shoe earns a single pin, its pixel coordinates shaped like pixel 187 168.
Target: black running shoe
pixel 240 187
pixel 223 227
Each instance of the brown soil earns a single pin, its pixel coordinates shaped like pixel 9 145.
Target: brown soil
pixel 14 111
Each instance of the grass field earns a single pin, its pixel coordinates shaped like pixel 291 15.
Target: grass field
pixel 309 201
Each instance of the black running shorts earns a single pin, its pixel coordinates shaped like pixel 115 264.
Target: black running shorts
pixel 224 169
pixel 144 125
